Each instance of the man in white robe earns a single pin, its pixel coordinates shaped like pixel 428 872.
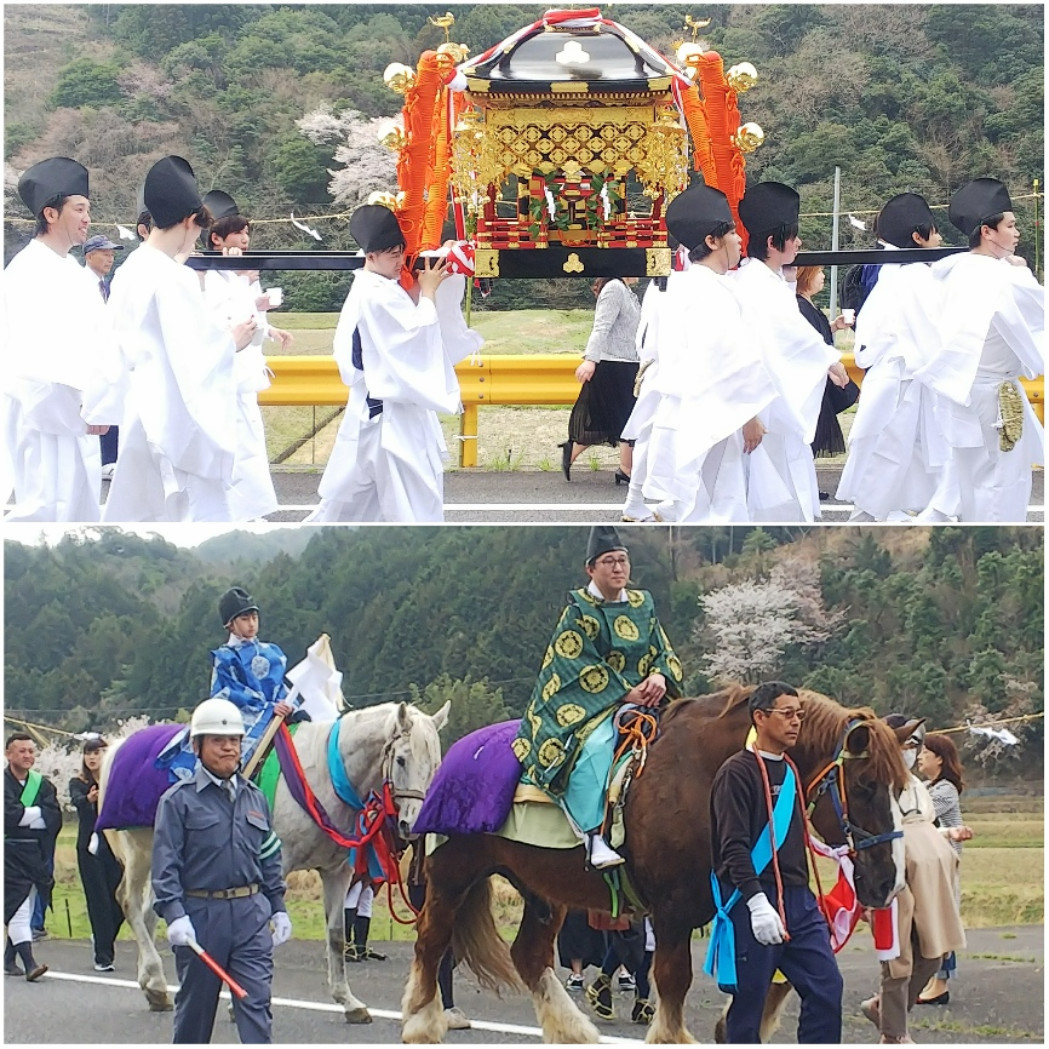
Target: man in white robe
pixel 992 332
pixel 781 482
pixel 897 456
pixel 712 380
pixel 234 296
pixel 396 352
pixel 57 364
pixel 178 435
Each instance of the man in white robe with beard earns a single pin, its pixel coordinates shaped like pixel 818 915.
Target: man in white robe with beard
pixel 58 365
pixel 711 379
pixel 897 456
pixel 992 331
pixel 396 351
pixel 178 435
pixel 781 483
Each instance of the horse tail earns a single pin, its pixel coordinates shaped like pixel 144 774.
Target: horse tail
pixel 476 941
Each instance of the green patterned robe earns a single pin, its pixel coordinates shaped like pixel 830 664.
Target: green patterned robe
pixel 599 651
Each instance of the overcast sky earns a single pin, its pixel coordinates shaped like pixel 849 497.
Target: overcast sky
pixel 180 534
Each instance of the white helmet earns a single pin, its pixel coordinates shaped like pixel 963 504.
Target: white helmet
pixel 216 717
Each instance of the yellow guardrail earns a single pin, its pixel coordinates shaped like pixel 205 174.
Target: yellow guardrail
pixel 547 378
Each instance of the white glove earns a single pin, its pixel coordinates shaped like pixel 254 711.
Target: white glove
pixel 30 816
pixel 281 928
pixel 181 932
pixel 765 922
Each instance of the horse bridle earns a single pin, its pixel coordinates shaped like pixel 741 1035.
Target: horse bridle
pixel 397 793
pixel 831 781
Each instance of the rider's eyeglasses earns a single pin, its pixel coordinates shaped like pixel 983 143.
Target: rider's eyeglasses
pixel 787 713
pixel 610 562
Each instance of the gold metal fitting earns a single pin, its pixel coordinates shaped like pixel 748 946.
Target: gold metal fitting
pixel 742 77
pixel 748 137
pixel 399 77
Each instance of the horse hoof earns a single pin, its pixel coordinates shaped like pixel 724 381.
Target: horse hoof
pixel 359 1016
pixel 158 1004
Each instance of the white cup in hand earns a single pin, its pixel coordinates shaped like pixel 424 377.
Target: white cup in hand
pixel 849 317
pixel 276 296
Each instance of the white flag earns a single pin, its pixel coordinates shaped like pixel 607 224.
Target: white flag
pixel 318 681
pixel 305 229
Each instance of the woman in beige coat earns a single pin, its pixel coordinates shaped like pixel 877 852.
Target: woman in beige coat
pixel 928 920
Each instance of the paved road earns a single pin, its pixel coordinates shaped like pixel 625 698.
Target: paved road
pixel 998 998
pixel 542 495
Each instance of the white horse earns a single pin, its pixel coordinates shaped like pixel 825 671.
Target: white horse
pixel 391 741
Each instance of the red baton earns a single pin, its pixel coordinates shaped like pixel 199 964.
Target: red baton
pixel 235 988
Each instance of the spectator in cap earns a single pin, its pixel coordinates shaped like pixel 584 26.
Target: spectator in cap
pixel 99 256
pixel 782 474
pixel 179 435
pixel 893 464
pixel 100 872
pixel 58 373
pixel 396 348
pixel 233 295
pixel 712 381
pixel 991 332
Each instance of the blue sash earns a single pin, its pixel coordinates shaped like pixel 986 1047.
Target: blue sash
pixel 349 797
pixel 721 954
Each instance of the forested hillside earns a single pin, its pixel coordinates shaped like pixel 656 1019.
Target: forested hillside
pixel 946 622
pixel 901 97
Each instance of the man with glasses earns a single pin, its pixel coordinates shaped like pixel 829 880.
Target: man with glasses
pixel 607 650
pixel 790 935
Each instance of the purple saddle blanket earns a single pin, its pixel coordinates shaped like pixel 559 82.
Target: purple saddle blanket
pixel 135 784
pixel 474 786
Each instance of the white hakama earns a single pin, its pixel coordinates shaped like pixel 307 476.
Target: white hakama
pixel 231 298
pixel 897 456
pixel 178 436
pixel 711 381
pixel 781 472
pixel 389 465
pixel 992 330
pixel 60 364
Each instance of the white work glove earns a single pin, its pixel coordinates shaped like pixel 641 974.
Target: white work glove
pixel 181 932
pixel 765 922
pixel 281 928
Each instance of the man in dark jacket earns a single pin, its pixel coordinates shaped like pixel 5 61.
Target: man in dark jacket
pixel 32 820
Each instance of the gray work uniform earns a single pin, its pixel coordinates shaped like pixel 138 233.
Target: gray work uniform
pixel 205 841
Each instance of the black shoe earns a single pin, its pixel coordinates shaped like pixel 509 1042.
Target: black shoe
pixel 824 496
pixel 622 478
pixel 566 459
pixel 940 999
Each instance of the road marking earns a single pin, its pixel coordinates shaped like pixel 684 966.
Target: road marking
pixel 331 1007
pixel 846 508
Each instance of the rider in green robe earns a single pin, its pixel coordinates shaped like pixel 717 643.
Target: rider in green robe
pixel 607 650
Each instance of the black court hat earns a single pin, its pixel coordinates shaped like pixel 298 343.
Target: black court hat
pixel 235 602
pixel 54 177
pixel 170 192
pixel 221 205
pixel 979 200
pixel 693 215
pixel 375 228
pixel 901 216
pixel 767 206
pixel 603 539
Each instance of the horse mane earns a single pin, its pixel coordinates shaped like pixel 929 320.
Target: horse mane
pixel 825 720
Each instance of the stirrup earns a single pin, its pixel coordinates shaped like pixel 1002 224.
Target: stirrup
pixel 600 855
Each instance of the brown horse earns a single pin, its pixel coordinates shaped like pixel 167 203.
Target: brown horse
pixel 668 859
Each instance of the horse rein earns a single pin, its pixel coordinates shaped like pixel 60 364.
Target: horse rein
pixel 397 793
pixel 831 781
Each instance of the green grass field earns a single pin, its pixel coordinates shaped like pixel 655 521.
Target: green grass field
pixel 1002 881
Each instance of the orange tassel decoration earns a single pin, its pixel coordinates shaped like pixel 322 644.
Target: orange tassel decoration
pixel 722 110
pixel 696 120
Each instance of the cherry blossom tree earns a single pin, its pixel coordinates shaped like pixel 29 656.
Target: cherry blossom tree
pixel 367 165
